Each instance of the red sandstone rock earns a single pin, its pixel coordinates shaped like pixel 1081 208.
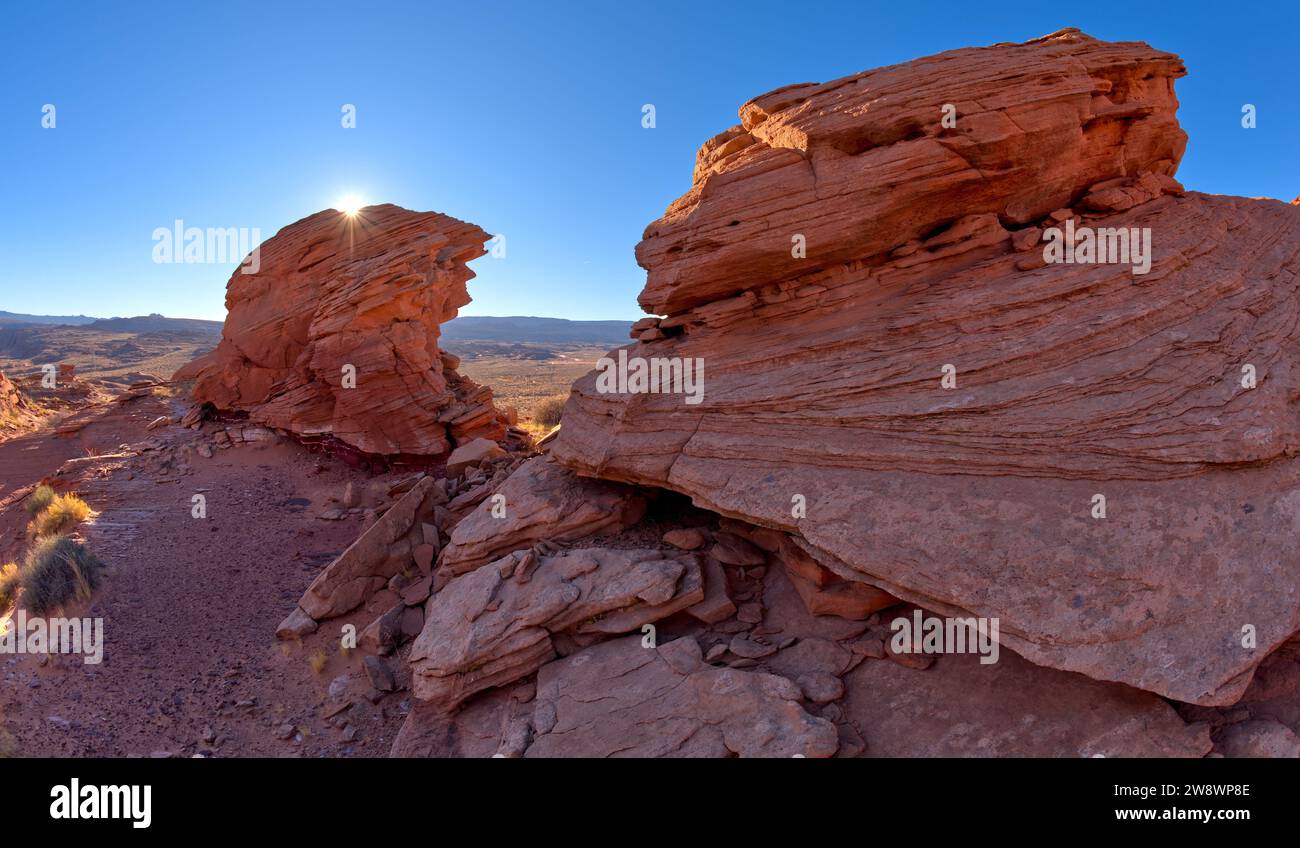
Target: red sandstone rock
pixel 10 399
pixel 540 501
pixel 333 292
pixel 495 624
pixel 622 699
pixel 823 379
pixel 862 164
pixel 960 708
pixel 386 548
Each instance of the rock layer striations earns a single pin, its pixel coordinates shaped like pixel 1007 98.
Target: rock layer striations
pixel 334 332
pixel 1101 458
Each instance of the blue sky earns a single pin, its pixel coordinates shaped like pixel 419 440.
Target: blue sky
pixel 524 118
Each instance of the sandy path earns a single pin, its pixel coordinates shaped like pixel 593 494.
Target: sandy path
pixel 191 662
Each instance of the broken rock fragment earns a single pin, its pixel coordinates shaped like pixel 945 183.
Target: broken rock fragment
pixel 619 699
pixel 495 624
pixel 541 500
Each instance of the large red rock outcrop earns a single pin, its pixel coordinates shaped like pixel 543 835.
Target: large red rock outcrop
pixel 1170 394
pixel 335 296
pixel 10 400
pixel 16 411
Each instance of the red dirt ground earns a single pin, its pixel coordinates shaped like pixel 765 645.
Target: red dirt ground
pixel 190 606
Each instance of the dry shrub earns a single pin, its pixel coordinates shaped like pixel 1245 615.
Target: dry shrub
pixel 8 584
pixel 547 412
pixel 38 500
pixel 58 571
pixel 62 514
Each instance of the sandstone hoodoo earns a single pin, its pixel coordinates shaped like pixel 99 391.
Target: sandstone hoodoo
pixel 335 333
pixel 904 386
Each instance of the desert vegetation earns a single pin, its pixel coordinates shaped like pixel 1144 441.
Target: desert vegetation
pixel 58 515
pixel 58 571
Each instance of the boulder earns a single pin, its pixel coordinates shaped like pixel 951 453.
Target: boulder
pixel 332 330
pixel 495 624
pixel 1010 708
pixel 367 565
pixel 296 625
pixel 619 699
pixel 471 454
pixel 933 414
pixel 1260 738
pixel 542 501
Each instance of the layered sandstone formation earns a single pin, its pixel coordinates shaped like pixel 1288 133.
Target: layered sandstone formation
pixel 10 399
pixel 16 410
pixel 898 386
pixel 336 334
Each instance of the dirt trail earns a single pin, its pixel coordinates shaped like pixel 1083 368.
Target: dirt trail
pixel 191 662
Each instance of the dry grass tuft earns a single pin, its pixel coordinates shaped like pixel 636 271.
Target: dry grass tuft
pixel 39 499
pixel 62 514
pixel 57 572
pixel 8 584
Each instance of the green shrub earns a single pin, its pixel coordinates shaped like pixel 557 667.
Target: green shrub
pixel 38 500
pixel 58 571
pixel 548 411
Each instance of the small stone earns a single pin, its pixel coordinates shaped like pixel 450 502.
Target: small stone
pixel 471 454
pixel 339 685
pixel 750 649
pixel 423 556
pixel 412 622
pixel 920 662
pixel 733 550
pixel 873 648
pixel 751 613
pixel 418 591
pixel 1022 240
pixel 686 538
pixel 821 687
pixel 296 625
pixel 381 676
pixel 284 731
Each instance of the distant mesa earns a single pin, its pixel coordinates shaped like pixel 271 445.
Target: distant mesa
pixel 155 323
pixel 337 334
pixel 21 318
pixel 526 329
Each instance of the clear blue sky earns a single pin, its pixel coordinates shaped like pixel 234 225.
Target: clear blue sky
pixel 524 118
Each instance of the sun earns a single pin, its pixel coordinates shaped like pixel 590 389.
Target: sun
pixel 350 204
